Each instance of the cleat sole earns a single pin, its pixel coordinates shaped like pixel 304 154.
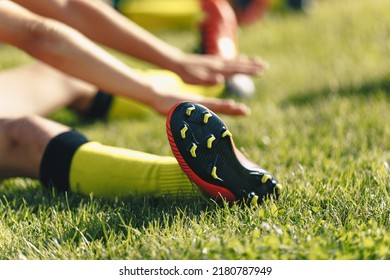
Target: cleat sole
pixel 235 177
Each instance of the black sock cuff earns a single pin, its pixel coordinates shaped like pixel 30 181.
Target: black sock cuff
pixel 57 159
pixel 100 105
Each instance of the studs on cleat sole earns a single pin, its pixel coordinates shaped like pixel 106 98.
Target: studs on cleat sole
pixel 210 141
pixel 214 173
pixel 265 178
pixel 189 110
pixel 200 141
pixel 206 117
pixel 226 133
pixel 183 131
pixel 193 150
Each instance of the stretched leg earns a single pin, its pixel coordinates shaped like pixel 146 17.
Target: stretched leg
pixel 37 89
pixel 39 148
pixel 63 158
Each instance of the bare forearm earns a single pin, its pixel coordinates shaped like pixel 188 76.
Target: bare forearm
pixel 101 23
pixel 69 51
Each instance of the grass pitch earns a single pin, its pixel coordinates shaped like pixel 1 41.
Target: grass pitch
pixel 319 123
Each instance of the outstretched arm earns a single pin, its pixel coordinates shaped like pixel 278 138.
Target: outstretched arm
pixel 101 23
pixel 69 51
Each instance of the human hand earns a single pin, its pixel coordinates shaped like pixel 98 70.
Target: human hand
pixel 209 70
pixel 164 102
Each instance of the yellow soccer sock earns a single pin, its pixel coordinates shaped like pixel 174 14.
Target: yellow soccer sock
pixel 125 108
pixel 111 172
pixel 162 14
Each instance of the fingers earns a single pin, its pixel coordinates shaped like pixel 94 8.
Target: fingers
pixel 243 65
pixel 226 107
pixel 207 78
pixel 211 70
pixel 240 65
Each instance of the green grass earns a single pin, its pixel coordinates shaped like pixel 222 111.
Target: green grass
pixel 319 123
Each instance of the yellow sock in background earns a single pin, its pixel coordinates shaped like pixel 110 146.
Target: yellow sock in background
pixel 125 108
pixel 111 172
pixel 162 14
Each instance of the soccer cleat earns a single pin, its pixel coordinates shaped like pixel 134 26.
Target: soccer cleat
pixel 210 159
pixel 219 37
pixel 218 29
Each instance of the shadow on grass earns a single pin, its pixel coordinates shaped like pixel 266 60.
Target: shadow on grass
pixel 363 89
pixel 72 119
pixel 136 212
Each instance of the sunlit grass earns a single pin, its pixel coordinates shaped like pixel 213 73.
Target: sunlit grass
pixel 319 123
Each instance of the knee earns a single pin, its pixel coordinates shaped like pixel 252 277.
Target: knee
pixel 23 142
pixel 20 127
pixel 11 131
pixel 31 131
pixel 31 135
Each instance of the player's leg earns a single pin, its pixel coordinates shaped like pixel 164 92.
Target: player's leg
pixel 215 19
pixel 40 90
pixel 63 158
pixel 22 143
pixel 218 29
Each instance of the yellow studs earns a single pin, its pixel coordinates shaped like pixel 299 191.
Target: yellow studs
pixel 210 141
pixel 265 178
pixel 214 173
pixel 193 150
pixel 227 133
pixel 189 110
pixel 183 131
pixel 206 117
